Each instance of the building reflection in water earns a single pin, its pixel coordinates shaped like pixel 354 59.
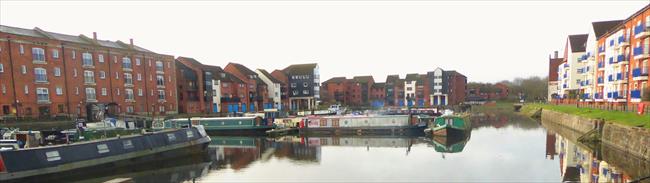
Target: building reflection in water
pixel 580 164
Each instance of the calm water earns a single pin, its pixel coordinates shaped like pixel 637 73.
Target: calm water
pixel 502 147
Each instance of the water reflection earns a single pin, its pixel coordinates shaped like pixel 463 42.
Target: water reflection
pixel 591 163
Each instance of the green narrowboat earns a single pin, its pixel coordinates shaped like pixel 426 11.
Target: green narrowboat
pixel 223 125
pixel 448 125
pixel 451 144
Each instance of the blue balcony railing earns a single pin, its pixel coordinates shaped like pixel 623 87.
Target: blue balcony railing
pixel 598 96
pixel 636 72
pixel 601 64
pixel 600 80
pixel 638 51
pixel 639 29
pixel 621 58
pixel 619 76
pixel 586 96
pixel 635 93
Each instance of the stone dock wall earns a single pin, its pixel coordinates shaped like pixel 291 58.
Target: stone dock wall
pixel 632 140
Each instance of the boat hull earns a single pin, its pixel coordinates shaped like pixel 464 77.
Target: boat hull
pixel 27 163
pixel 397 130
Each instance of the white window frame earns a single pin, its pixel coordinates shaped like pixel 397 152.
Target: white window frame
pixel 102 75
pixel 128 94
pixel 139 77
pixel 128 78
pixel 23 69
pixel 74 54
pixel 55 53
pixel 57 71
pixel 41 91
pixel 87 59
pixel 38 54
pixel 100 58
pixel 40 71
pixel 104 92
pixel 59 91
pixel 91 94
pixel 137 61
pixel 89 77
pixel 2 68
pixel 140 93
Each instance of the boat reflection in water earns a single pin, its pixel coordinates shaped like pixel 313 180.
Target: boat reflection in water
pixel 591 163
pixel 454 143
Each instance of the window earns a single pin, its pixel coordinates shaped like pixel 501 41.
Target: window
pixel 140 93
pixel 87 59
pixel 114 59
pixel 22 49
pixel 117 75
pixel 162 109
pixel 74 72
pixel 40 74
pixel 90 94
pixel 55 53
pixel 76 90
pixel 295 92
pixel 129 94
pixel 126 63
pixel 104 92
pixel 42 94
pixel 59 90
pixel 129 109
pixel 102 75
pixel 160 80
pixel 128 78
pixel 293 85
pixel 38 54
pixel 161 94
pixel 23 69
pixel 57 71
pixel 2 68
pixel 127 144
pixel 4 89
pixel 137 61
pixel 225 84
pixel 306 92
pixel 159 66
pixel 304 84
pixel 74 54
pixel 169 65
pixel 139 77
pixel 100 58
pixel 89 77
pixel 26 89
pixel 117 90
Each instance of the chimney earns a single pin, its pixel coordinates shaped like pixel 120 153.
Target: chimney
pixel 131 40
pixel 555 54
pixel 95 36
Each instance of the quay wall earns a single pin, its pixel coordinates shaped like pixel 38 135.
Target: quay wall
pixel 632 140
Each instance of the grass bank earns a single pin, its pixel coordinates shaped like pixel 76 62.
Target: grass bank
pixel 625 118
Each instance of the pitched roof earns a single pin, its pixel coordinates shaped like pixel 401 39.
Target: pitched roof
pixel 268 75
pixel 363 79
pixel 191 61
pixel 300 69
pixel 412 77
pixel 602 27
pixel 217 74
pixel 392 79
pixel 578 42
pixel 335 80
pixel 378 85
pixel 80 39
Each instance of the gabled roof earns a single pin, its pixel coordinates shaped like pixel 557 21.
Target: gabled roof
pixel 453 72
pixel 245 70
pixel 300 69
pixel 268 75
pixel 412 77
pixel 363 79
pixel 217 71
pixel 602 27
pixel 392 79
pixel 191 61
pixel 578 42
pixel 280 76
pixel 335 80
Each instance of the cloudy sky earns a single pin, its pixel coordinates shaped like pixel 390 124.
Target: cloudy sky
pixel 488 41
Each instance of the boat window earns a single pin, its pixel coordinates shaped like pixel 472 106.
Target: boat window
pixel 53 156
pixel 171 137
pixel 102 148
pixel 127 144
pixel 190 134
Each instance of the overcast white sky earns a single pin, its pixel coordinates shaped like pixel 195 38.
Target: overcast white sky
pixel 488 41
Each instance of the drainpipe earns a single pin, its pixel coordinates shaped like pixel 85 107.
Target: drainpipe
pixel 13 81
pixel 65 80
pixel 144 93
pixel 110 78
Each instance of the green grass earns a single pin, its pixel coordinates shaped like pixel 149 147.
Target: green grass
pixel 625 118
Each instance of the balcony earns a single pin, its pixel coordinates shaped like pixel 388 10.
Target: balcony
pixel 87 66
pixel 600 80
pixel 635 94
pixel 639 74
pixel 641 31
pixel 619 76
pixel 622 59
pixel 610 78
pixel 601 65
pixel 639 53
pixel 598 96
pixel 601 50
pixel 623 41
pixel 586 96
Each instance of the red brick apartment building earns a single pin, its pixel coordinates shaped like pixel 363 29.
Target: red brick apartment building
pixel 45 74
pixel 284 87
pixel 256 90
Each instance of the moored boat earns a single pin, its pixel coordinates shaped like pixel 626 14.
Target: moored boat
pixel 27 162
pixel 222 125
pixel 448 125
pixel 362 125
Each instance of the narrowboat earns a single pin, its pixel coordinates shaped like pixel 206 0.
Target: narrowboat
pixel 253 125
pixel 22 163
pixel 361 125
pixel 448 125
pixel 451 143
